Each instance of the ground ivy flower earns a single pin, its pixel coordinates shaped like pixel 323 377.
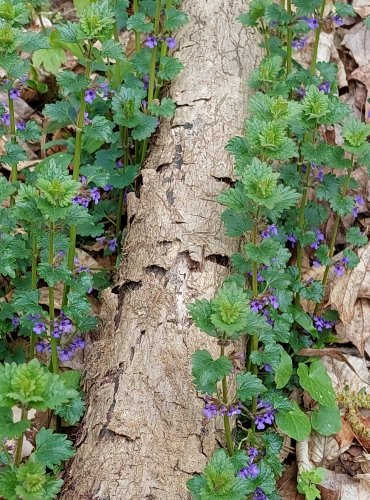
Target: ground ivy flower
pixel 151 42
pixel 249 472
pixel 274 301
pixel 145 81
pixel 119 164
pixel 234 409
pixel 90 95
pixel 39 327
pixel 319 239
pixel 319 174
pixel 299 43
pixel 81 200
pixel 14 94
pixel 210 410
pixel 21 125
pixel 292 239
pixel 101 240
pixel 6 119
pixel 78 343
pixel 64 354
pixel 105 88
pixel 320 323
pixel 108 187
pixel 259 495
pixel 360 202
pixel 171 42
pixel 112 244
pixel 15 321
pixel 95 195
pixel 271 230
pixel 42 346
pixel 87 120
pixel 324 87
pixel 338 20
pixel 312 22
pixel 252 452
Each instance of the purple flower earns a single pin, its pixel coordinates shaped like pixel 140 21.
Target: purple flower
pixel 319 238
pixel 312 22
pixel 292 239
pixel 112 244
pixel 21 125
pixel 253 453
pixel 78 343
pixel 95 195
pixel 316 263
pixel 324 87
pixel 108 187
pixel 42 346
pixel 260 423
pixel 256 305
pixel 56 333
pixel 90 95
pixel 301 91
pixel 251 471
pixel 339 270
pixel 321 323
pixel 14 94
pixel 39 327
pixel 15 321
pixel 345 260
pixel 338 20
pixel 271 230
pixel 234 409
pixel 65 325
pixel 151 42
pixel 299 43
pixel 267 368
pixel 359 200
pixel 64 354
pixel 274 301
pixel 144 103
pixel 319 175
pixel 83 179
pixel 119 164
pixel 87 120
pixel 6 119
pixel 171 42
pixel 259 495
pixel 146 82
pixel 105 87
pixel 81 200
pixel 210 410
pixel 269 417
pixel 101 240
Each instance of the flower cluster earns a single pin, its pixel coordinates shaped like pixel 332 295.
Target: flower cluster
pixel 65 353
pixel 250 471
pixel 266 416
pixel 152 41
pixel 214 408
pixel 259 304
pixel 111 243
pixel 321 323
pixel 61 325
pixel 270 230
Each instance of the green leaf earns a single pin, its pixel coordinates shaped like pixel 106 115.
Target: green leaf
pixel 32 41
pixel 314 291
pixel 51 59
pixel 72 411
pixel 294 423
pixel 305 8
pixel 27 300
pixel 367 22
pixel 352 258
pixel 6 189
pixel 342 205
pixel 256 11
pixel 236 224
pixel 100 129
pixel 322 255
pixel 355 237
pixel 355 132
pixel 71 379
pixel 266 252
pixel 51 448
pixel 112 50
pixel 303 320
pixel 269 355
pixel 248 386
pixel 200 312
pixel 70 82
pixel 10 429
pixel 138 23
pixel 315 380
pixel 80 5
pixel 315 104
pixel 169 68
pixel 54 274
pixel 8 483
pixel 207 371
pixel 273 442
pixel 327 420
pixel 174 19
pixel 344 10
pixel 284 371
pixel 164 108
pixel 60 113
pixel 145 127
pixel 123 177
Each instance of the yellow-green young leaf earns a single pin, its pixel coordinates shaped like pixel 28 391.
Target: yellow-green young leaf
pixel 284 370
pixel 51 59
pixel 81 5
pixel 315 380
pixel 294 423
pixel 326 420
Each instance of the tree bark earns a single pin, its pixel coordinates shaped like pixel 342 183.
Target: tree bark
pixel 144 435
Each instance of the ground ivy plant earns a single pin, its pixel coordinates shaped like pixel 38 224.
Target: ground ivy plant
pixel 102 117
pixel 289 179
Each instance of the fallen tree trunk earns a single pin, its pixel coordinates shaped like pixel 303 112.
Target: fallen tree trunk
pixel 144 434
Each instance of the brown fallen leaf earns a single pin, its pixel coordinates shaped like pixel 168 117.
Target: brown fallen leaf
pixel 345 290
pixel 287 484
pixel 345 436
pixel 358 330
pixel 357 40
pixel 361 7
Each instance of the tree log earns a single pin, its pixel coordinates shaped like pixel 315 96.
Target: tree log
pixel 144 434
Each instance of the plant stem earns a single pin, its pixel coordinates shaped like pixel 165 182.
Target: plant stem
pixel 13 139
pixel 254 338
pixel 18 451
pixel 228 435
pixel 317 39
pixel 334 234
pixel 124 138
pixel 76 171
pixel 31 353
pixel 137 34
pixel 152 75
pixel 289 40
pixel 53 340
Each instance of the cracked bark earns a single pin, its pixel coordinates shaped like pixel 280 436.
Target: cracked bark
pixel 143 435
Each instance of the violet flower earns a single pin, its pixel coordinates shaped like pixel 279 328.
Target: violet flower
pixel 39 327
pixel 338 20
pixel 324 87
pixel 319 238
pixel 171 42
pixel 90 95
pixel 6 119
pixel 21 125
pixel 259 495
pixel 95 194
pixel 14 94
pixel 151 42
pixel 312 22
pixel 249 472
pixel 292 239
pixel 112 244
